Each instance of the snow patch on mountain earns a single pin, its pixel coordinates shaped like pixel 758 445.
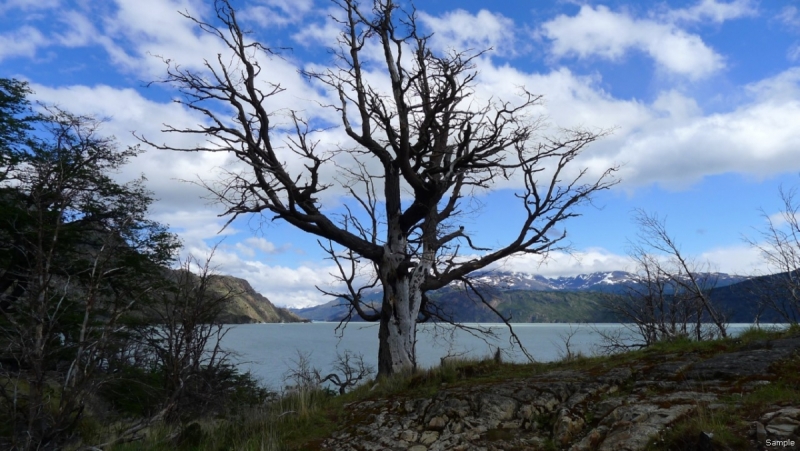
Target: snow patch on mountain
pixel 512 280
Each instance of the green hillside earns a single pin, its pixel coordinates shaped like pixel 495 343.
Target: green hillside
pixel 524 306
pixel 244 305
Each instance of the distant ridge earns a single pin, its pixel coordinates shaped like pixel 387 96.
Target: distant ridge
pixel 245 305
pixel 534 298
pixel 605 281
pixel 248 306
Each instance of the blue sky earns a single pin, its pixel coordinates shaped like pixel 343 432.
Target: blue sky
pixel 703 97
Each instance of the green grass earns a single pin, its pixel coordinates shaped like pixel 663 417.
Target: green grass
pixel 724 424
pixel 730 424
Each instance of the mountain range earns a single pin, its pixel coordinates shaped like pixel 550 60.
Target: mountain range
pixel 524 298
pixel 520 297
pixel 607 281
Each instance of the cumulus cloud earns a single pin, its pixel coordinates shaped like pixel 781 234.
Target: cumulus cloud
pixel 670 141
pixel 277 12
pixel 755 138
pixel 600 32
pixel 459 30
pixel 23 41
pixel 126 111
pixel 557 263
pixel 741 259
pixel 738 259
pixel 28 6
pixel 714 11
pixel 790 16
pixel 284 285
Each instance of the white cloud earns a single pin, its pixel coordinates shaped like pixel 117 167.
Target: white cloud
pixel 127 111
pixel 461 30
pixel 263 245
pixel 790 16
pixel 324 34
pixel 669 141
pixel 23 41
pixel 756 138
pixel 283 285
pixel 738 259
pixel 793 53
pixel 600 32
pixel 277 12
pixel 28 5
pixel 714 11
pixel 557 263
pixel 676 105
pixel 80 31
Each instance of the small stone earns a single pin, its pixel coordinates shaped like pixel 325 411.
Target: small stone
pixel 418 448
pixel 783 426
pixel 791 412
pixel 511 424
pixel 437 424
pixel 409 436
pixel 567 426
pixel 428 437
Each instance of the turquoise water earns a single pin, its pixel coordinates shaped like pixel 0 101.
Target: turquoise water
pixel 269 350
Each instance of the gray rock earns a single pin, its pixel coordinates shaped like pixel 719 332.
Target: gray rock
pixel 437 424
pixel 577 410
pixel 409 436
pixel 744 363
pixel 428 437
pixel 783 426
pixel 637 424
pixel 758 431
pixel 567 427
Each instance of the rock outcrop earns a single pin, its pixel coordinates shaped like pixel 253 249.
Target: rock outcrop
pixel 617 408
pixel 248 306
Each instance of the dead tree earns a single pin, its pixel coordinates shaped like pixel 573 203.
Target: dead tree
pixel 417 153
pixel 670 296
pixel 779 244
pixel 349 369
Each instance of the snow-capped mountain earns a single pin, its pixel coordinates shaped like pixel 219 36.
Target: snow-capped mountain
pixel 528 297
pixel 596 281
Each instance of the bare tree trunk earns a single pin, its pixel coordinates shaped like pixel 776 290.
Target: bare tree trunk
pixel 397 337
pixel 402 299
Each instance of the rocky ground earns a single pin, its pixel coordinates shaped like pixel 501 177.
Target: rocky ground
pixel 611 406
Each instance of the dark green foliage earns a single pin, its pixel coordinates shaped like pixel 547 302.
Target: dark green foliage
pixel 16 121
pixel 93 328
pixel 135 392
pixel 525 306
pixel 766 298
pixel 77 253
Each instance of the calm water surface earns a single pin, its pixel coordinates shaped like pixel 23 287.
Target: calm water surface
pixel 269 350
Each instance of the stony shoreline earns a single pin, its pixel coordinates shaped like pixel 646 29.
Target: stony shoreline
pixel 614 408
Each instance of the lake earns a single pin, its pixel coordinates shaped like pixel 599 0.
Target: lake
pixel 269 350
